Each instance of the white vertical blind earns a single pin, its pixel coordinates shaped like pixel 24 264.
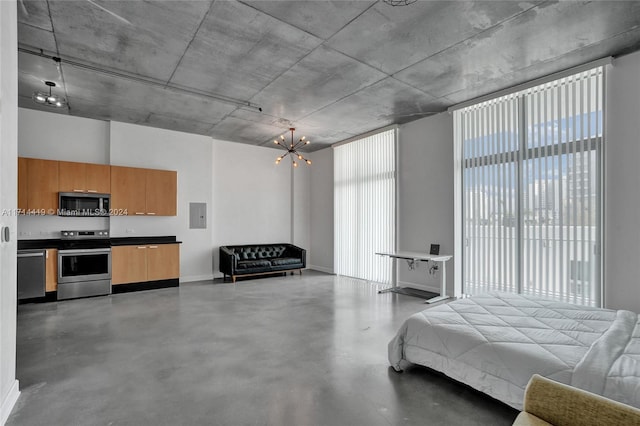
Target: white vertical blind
pixel 364 206
pixel 531 193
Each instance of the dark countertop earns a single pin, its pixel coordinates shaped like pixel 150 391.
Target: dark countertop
pixel 54 243
pixel 132 241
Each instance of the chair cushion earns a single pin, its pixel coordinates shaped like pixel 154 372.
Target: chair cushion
pixel 247 264
pixel 285 261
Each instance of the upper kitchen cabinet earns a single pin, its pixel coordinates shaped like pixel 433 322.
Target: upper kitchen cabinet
pixel 161 192
pixel 143 191
pixel 38 185
pixel 84 177
pixel 22 184
pixel 128 190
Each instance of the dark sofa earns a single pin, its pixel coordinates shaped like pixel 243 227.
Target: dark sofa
pixel 259 259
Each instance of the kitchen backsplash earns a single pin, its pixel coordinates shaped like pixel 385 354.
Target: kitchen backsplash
pixel 43 227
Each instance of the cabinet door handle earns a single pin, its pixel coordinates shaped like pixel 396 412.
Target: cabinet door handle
pixel 142 247
pixel 139 212
pixel 92 190
pixel 153 247
pixel 78 190
pixel 151 213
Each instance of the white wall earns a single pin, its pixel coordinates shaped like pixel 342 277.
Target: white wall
pixel 62 137
pixel 8 200
pixel 252 196
pixel 425 196
pixel 321 214
pixel 622 185
pixel 189 155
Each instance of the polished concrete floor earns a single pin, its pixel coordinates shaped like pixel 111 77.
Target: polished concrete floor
pixel 295 350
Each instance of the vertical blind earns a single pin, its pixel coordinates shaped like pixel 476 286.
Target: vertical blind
pixel 531 196
pixel 365 206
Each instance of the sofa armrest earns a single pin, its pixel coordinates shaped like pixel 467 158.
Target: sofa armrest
pixel 560 404
pixel 297 252
pixel 228 261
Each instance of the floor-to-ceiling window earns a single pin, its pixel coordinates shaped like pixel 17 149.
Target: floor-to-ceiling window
pixel 531 190
pixel 365 206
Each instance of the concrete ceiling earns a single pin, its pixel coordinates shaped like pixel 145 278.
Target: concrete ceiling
pixel 332 69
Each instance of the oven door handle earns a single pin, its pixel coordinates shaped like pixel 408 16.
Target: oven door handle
pixel 83 251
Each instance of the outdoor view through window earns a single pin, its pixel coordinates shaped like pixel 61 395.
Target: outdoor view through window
pixel 531 204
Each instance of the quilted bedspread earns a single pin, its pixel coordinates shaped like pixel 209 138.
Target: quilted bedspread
pixel 496 341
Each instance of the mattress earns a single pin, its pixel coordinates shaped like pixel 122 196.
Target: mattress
pixel 495 342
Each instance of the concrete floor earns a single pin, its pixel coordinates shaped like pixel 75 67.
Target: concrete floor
pixel 309 350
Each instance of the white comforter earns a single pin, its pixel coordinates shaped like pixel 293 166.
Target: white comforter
pixel 495 342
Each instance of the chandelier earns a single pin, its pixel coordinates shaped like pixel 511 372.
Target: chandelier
pixel 49 99
pixel 292 148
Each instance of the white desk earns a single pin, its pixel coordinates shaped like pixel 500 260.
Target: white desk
pixel 412 258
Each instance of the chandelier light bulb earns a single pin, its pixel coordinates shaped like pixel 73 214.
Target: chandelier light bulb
pixel 309 162
pixel 295 164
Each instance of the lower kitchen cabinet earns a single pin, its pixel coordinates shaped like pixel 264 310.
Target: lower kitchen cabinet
pixel 141 263
pixel 163 262
pixel 51 270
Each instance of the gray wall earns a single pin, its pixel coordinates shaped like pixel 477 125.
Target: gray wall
pixel 425 196
pixel 622 185
pixel 8 200
pixel 321 215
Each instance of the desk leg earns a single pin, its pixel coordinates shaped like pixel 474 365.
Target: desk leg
pixel 394 277
pixel 443 286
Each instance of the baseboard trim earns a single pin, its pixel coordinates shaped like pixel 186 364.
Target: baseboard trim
pixel 321 269
pixel 147 285
pixel 9 402
pixel 192 278
pixel 424 287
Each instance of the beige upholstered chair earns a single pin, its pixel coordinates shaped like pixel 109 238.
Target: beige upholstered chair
pixel 547 402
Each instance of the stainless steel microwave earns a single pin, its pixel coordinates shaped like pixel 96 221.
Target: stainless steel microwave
pixel 83 204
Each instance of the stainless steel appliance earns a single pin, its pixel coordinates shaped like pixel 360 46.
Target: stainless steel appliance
pixel 31 273
pixel 84 264
pixel 83 204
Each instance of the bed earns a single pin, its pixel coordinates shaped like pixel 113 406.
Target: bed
pixel 495 342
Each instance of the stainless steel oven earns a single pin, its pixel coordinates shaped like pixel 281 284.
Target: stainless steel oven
pixel 84 264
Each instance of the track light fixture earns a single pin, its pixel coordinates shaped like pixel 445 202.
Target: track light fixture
pixel 49 99
pixel 292 148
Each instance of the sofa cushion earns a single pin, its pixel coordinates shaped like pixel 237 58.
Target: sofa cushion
pixel 259 252
pixel 285 261
pixel 247 264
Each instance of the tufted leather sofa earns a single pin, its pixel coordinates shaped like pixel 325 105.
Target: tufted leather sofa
pixel 259 259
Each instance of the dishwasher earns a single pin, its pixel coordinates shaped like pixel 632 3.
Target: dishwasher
pixel 31 273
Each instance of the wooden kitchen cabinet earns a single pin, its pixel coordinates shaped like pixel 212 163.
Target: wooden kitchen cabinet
pixel 22 184
pixel 128 264
pixel 143 191
pixel 84 177
pixel 128 190
pixel 42 185
pixel 163 262
pixel 51 270
pixel 161 192
pixel 140 263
